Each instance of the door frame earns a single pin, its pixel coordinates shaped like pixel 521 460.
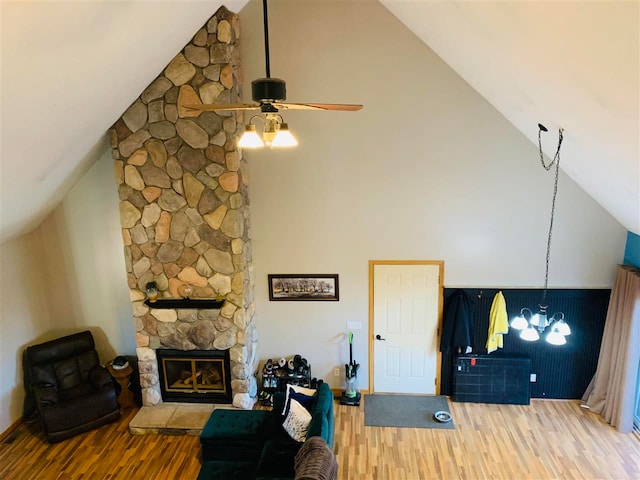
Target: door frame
pixel 372 264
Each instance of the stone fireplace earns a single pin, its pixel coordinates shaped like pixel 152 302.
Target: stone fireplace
pixel 184 211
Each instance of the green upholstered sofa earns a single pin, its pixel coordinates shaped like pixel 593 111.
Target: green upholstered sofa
pixel 252 444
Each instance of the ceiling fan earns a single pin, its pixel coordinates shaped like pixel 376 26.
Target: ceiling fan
pixel 270 94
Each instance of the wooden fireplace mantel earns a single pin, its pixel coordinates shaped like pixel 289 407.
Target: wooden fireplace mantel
pixel 185 303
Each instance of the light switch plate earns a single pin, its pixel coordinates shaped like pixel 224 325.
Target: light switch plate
pixel 354 325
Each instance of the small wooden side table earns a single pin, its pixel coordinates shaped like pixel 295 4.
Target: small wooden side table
pixel 125 398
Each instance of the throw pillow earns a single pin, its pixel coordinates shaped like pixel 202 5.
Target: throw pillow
pixel 305 400
pixel 310 392
pixel 296 423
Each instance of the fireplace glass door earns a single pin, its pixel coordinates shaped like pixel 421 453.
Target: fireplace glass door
pixel 184 375
pixel 194 376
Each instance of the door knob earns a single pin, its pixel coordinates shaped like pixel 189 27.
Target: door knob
pixel 378 337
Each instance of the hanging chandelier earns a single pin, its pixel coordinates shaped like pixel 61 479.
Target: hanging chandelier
pixel 533 325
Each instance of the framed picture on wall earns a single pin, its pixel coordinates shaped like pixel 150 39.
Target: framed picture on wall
pixel 303 287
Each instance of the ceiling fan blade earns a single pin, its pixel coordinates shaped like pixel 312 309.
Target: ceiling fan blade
pixel 317 106
pixel 222 107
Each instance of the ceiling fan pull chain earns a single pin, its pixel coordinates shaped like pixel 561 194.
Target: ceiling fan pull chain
pixel 266 37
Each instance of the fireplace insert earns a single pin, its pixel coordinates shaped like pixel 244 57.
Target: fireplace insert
pixel 196 376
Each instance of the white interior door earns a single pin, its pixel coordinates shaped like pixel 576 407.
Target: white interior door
pixel 406 310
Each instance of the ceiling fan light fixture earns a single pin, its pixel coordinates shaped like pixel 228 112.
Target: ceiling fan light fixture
pixel 270 130
pixel 284 137
pixel 250 138
pixel 276 133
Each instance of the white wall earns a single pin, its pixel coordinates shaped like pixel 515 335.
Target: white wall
pixel 89 279
pixel 427 170
pixel 66 276
pixel 23 316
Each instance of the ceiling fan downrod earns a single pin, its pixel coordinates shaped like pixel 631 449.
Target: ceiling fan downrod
pixel 265 16
pixel 268 89
pixel 270 93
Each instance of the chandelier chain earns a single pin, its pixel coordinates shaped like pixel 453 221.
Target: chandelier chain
pixel 556 157
pixel 556 161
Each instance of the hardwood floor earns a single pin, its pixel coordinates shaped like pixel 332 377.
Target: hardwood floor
pixel 548 439
pixel 108 452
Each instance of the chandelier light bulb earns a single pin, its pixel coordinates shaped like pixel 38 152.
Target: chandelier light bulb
pixel 530 334
pixel 519 322
pixel 540 320
pixel 554 337
pixel 535 320
pixel 563 328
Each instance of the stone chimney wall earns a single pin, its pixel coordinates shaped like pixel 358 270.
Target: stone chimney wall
pixel 184 209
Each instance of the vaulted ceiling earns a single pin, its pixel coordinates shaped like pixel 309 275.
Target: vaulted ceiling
pixel 575 65
pixel 572 65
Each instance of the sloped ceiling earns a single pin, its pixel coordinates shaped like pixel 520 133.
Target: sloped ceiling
pixel 66 76
pixel 65 80
pixel 568 64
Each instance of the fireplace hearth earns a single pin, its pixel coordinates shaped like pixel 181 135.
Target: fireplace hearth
pixel 194 376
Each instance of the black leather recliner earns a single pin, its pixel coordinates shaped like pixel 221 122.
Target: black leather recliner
pixel 73 393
